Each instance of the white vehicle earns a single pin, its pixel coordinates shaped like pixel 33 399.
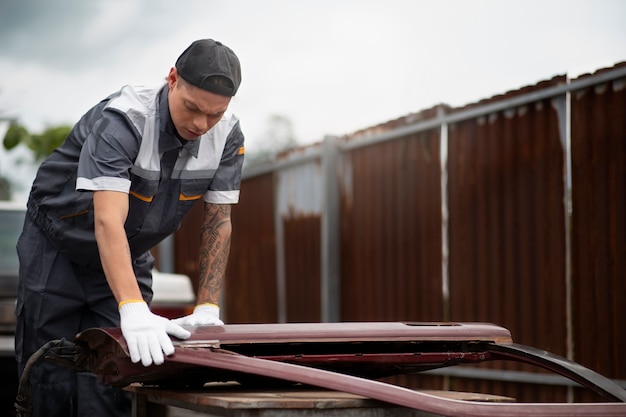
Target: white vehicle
pixel 173 294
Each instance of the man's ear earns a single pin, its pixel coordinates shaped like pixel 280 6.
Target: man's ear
pixel 172 78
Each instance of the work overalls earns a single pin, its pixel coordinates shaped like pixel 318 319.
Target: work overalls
pixel 126 143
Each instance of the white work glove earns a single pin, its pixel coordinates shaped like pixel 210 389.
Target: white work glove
pixel 203 315
pixel 146 333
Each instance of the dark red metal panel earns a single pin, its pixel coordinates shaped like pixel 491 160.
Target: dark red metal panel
pixel 391 231
pixel 354 332
pixel 238 352
pixel 599 226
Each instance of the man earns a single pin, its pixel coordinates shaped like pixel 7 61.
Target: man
pixel 121 182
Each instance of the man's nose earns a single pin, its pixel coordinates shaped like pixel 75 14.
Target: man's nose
pixel 201 123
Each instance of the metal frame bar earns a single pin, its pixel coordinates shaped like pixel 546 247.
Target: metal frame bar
pixel 329 242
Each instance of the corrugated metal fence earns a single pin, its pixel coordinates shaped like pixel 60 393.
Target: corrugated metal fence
pixel 510 210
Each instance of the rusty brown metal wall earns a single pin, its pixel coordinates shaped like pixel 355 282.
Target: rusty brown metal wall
pixel 506 225
pixel 298 196
pixel 599 227
pixel 302 268
pixel 250 294
pixel 391 231
pixel 506 199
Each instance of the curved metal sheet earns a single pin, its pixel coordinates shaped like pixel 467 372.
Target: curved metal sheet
pixel 400 347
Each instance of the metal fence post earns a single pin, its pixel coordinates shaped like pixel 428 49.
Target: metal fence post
pixel 330 250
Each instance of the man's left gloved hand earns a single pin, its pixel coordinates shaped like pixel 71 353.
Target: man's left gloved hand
pixel 203 315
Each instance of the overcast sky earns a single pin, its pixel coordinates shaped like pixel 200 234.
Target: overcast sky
pixel 331 67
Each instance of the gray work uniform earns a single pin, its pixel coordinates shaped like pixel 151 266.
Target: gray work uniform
pixel 126 143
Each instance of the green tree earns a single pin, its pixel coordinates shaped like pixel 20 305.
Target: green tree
pixel 41 144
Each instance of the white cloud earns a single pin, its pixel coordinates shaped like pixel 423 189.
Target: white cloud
pixel 332 67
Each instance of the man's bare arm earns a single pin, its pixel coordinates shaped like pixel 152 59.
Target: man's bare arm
pixel 110 211
pixel 215 238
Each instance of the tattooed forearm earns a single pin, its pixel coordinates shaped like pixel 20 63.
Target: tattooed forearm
pixel 214 250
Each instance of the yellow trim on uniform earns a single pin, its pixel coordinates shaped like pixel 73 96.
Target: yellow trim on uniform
pixel 241 151
pixel 141 197
pixel 183 197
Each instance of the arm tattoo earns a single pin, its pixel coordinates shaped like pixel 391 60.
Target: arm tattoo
pixel 215 237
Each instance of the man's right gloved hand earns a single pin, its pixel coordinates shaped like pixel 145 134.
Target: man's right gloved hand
pixel 146 333
pixel 206 314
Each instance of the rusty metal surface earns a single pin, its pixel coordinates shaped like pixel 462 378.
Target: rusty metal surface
pixel 507 221
pixel 299 195
pixel 106 355
pixel 391 231
pixel 507 229
pixel 599 226
pixel 507 226
pixel 302 267
pixel 250 293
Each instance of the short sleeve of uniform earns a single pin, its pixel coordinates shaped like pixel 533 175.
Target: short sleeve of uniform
pixel 108 154
pixel 224 188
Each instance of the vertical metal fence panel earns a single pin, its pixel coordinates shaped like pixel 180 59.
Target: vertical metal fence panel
pixel 506 225
pixel 302 268
pixel 391 231
pixel 299 199
pixel 599 226
pixel 250 288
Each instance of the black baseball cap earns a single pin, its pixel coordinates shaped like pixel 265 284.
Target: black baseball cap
pixel 205 58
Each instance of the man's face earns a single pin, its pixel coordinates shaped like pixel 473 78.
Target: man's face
pixel 194 111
